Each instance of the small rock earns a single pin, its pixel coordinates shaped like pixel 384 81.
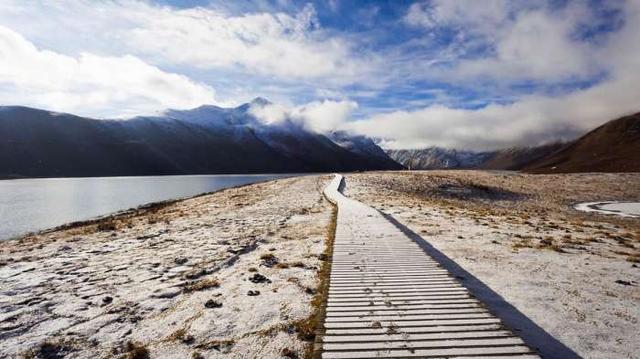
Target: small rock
pixel 253 293
pixel 376 324
pixel 259 278
pixel 310 290
pixel 167 293
pixel 107 300
pixel 624 282
pixel 196 273
pixel 180 260
pixel 212 304
pixel 288 353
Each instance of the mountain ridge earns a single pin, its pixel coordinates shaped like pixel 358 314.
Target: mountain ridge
pixel 205 140
pixel 611 147
pixel 511 158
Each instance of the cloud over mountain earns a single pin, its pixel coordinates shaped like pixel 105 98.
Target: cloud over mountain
pixel 467 74
pixel 90 83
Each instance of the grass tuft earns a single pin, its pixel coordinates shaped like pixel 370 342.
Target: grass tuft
pixel 201 284
pixel 136 351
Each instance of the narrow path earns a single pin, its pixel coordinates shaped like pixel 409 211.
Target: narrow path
pixel 388 298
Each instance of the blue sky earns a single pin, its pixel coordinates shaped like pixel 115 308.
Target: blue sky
pixel 452 73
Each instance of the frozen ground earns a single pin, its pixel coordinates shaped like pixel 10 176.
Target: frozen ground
pixel 622 209
pixel 175 280
pixel 231 274
pixel 574 274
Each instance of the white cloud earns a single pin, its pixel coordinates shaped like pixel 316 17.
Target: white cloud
pixel 318 116
pixel 269 44
pixel 482 16
pixel 536 46
pixel 288 56
pixel 90 84
pixel 532 119
pixel 528 40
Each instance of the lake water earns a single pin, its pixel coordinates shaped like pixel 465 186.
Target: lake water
pixel 28 205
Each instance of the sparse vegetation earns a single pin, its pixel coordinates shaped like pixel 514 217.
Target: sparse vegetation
pixel 269 260
pixel 107 225
pixel 135 350
pixel 308 327
pixel 201 284
pixel 221 345
pixel 181 335
pixel 633 258
pixel 50 349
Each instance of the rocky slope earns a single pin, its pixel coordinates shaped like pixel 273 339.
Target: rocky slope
pixel 513 158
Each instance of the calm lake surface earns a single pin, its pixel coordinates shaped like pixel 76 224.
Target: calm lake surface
pixel 28 205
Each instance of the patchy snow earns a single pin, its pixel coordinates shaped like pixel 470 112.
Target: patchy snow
pixel 622 209
pixel 222 275
pixel 577 279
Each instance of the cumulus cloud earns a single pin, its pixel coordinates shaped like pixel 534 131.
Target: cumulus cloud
pixel 90 84
pixel 270 44
pixel 531 119
pixel 526 40
pixel 318 116
pixel 457 53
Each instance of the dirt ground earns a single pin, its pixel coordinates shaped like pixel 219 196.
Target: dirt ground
pixel 574 274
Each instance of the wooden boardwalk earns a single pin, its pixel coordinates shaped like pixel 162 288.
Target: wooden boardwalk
pixel 388 298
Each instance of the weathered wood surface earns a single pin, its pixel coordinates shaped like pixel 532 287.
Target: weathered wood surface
pixel 388 298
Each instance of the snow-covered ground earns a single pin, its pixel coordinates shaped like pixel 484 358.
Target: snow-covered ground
pixel 617 208
pixel 574 274
pixel 231 274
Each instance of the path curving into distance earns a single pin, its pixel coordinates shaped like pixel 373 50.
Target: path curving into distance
pixel 389 298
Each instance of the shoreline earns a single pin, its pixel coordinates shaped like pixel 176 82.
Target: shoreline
pixel 138 210
pixel 245 258
pixel 2 178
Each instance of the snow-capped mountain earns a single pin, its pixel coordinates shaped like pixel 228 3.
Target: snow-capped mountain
pixel 207 139
pixel 437 158
pixel 513 158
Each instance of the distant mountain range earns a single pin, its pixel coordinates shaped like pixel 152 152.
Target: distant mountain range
pixel 513 158
pixel 204 140
pixel 612 147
